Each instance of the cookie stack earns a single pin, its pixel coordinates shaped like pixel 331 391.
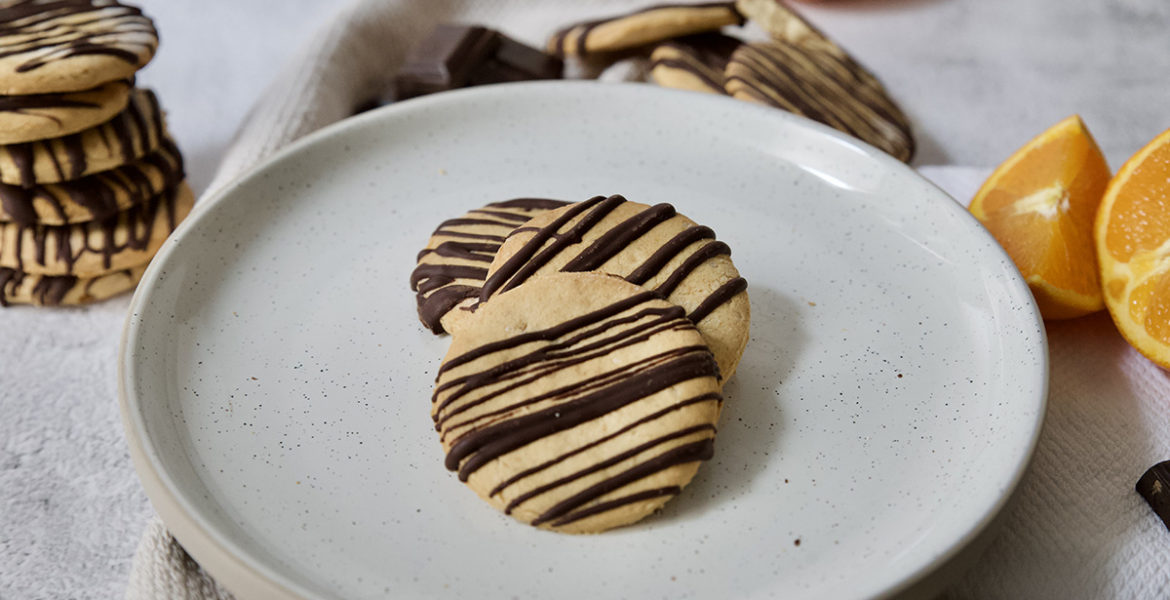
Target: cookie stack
pixel 90 183
pixel 590 345
pixel 799 69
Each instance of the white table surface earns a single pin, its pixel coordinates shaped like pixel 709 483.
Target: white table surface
pixel 977 77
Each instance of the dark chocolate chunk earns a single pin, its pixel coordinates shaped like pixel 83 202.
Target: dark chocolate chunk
pixel 1154 486
pixel 456 56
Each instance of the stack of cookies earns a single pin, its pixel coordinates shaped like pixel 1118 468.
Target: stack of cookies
pixel 90 183
pixel 590 344
pixel 701 47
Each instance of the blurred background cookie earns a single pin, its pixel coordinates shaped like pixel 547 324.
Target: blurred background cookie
pixel 695 62
pixel 645 26
pixel 66 46
pixel 824 86
pixel 130 135
pixel 39 116
pixel 17 287
pixel 96 196
pixel 127 239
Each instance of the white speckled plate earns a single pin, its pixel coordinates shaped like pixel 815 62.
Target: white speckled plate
pixel 275 379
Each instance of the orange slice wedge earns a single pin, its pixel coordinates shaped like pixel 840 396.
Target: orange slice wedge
pixel 1132 233
pixel 1040 204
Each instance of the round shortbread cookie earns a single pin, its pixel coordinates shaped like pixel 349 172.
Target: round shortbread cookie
pixel 64 290
pixel 653 24
pixel 652 246
pixel 695 62
pixel 131 134
pixel 40 116
pixel 814 78
pixel 69 45
pixel 94 197
pixel 452 266
pixel 577 402
pixel 127 239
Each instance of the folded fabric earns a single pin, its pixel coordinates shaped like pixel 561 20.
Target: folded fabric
pixel 1077 529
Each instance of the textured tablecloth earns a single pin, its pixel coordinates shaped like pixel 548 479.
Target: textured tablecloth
pixel 71 510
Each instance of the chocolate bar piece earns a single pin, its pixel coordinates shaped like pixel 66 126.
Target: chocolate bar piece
pixel 455 56
pixel 1154 486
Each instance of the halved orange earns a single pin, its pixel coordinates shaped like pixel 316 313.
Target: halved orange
pixel 1039 204
pixel 1132 234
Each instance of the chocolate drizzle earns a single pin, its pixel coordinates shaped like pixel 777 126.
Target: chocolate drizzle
pixel 498 416
pixel 567 231
pixel 94 197
pixel 133 133
pixel 444 280
pixel 43 31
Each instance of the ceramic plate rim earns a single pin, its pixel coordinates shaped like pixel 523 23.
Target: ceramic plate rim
pixel 248 577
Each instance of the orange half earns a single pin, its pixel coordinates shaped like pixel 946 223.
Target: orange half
pixel 1132 234
pixel 1040 204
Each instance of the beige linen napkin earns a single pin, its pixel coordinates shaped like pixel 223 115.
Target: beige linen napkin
pixel 1077 530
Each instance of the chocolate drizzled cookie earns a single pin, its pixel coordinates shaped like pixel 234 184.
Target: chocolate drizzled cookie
pixel 133 133
pixel 69 45
pixel 694 62
pixel 651 246
pixel 127 239
pixel 17 287
pixel 819 82
pixel 94 197
pixel 645 26
pixel 577 402
pixel 452 267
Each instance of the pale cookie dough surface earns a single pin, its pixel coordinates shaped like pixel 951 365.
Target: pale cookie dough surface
pixel 823 85
pixel 127 239
pixel 577 402
pixel 94 197
pixel 70 45
pixel 133 133
pixel 452 266
pixel 652 246
pixel 780 21
pixel 40 116
pixel 694 62
pixel 653 24
pixel 65 290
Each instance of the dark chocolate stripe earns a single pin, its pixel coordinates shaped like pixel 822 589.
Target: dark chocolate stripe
pixel 530 204
pixel 709 77
pixel 607 463
pixel 561 458
pixel 609 505
pixel 692 262
pixel 662 256
pixel 484 445
pixel 617 238
pixel 447 272
pixel 692 452
pixel 722 294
